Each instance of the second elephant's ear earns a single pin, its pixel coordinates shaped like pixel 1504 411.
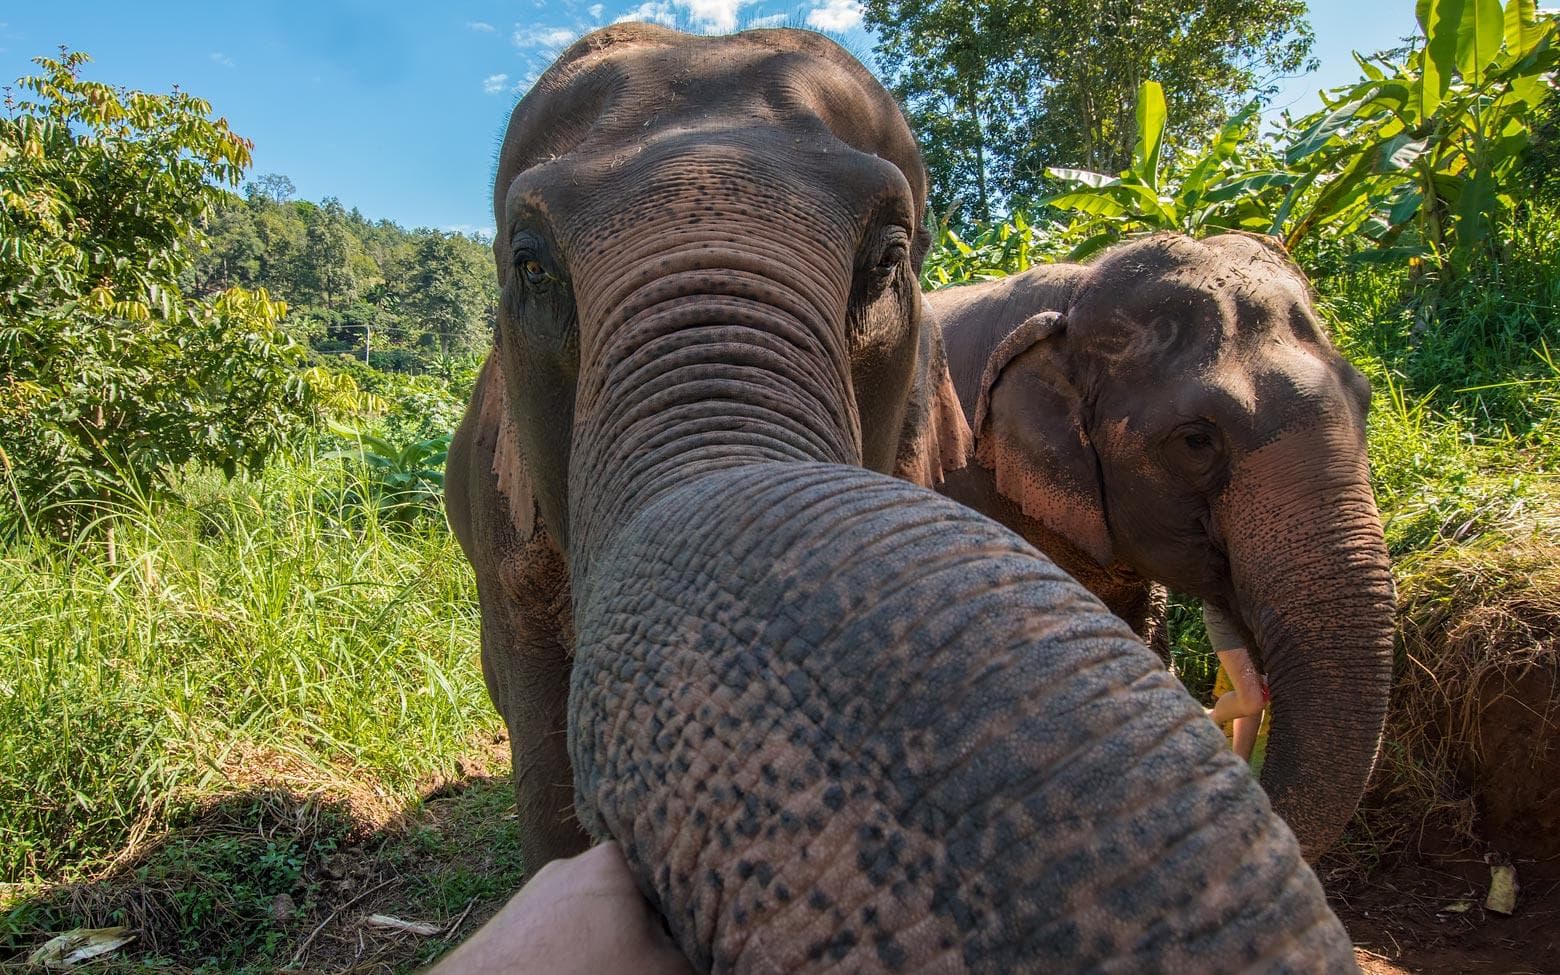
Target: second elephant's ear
pixel 1029 433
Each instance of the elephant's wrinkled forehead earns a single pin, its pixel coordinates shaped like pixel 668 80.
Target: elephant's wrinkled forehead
pixel 784 96
pixel 1227 292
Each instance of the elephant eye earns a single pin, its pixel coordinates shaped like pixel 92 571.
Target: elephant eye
pixel 534 272
pixel 1199 441
pixel 893 256
pixel 1196 451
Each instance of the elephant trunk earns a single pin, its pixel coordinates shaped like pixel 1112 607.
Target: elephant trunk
pixel 839 722
pixel 1313 584
pixel 835 720
pixel 702 367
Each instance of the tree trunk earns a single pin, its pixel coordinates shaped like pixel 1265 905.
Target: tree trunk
pixel 980 155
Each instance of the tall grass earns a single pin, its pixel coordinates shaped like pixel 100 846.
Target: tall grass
pixel 1465 415
pixel 261 629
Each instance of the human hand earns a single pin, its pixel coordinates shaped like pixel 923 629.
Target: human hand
pixel 580 916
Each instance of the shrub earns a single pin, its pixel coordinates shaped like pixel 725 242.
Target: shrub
pixel 110 378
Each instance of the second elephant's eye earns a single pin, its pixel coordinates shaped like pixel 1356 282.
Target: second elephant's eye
pixel 893 256
pixel 1196 451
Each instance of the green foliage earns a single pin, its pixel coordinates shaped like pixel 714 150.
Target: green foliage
pixel 327 259
pixel 110 377
pixel 995 251
pixel 400 300
pixel 1421 159
pixel 1001 89
pixel 401 480
pixel 1227 184
pixel 447 292
pixel 1480 347
pixel 1433 145
pixel 1196 663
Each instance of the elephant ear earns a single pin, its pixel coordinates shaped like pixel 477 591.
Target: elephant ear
pixel 514 484
pixel 936 437
pixel 1029 433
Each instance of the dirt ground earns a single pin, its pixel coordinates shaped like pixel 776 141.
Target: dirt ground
pixel 1427 915
pixel 450 863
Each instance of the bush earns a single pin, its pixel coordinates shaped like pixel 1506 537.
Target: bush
pixel 110 378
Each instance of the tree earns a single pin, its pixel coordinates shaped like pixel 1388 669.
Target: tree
pixel 272 186
pixel 282 233
pixel 327 256
pixel 111 377
pixel 234 252
pixel 447 291
pixel 998 90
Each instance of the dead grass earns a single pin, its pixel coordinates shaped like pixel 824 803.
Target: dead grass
pixel 1478 632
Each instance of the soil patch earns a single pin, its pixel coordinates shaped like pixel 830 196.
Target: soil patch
pixel 270 881
pixel 1429 917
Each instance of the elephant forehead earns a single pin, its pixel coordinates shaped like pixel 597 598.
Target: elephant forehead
pixel 704 157
pixel 617 98
pixel 1295 384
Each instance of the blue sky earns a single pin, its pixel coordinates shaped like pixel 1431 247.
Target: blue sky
pixel 397 107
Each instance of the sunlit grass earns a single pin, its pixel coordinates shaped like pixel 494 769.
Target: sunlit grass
pixel 259 629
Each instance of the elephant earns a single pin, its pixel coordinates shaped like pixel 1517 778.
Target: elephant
pixel 833 719
pixel 1174 412
pixel 911 428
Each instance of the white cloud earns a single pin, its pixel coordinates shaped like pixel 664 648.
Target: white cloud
pixel 836 15
pixel 709 16
pixel 494 83
pixel 216 56
pixel 595 10
pixel 480 26
pixel 718 15
pixel 773 20
pixel 653 11
pixel 543 36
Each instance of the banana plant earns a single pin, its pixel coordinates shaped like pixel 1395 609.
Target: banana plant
pixel 995 251
pixel 1232 183
pixel 1420 159
pixel 400 478
pixel 1431 145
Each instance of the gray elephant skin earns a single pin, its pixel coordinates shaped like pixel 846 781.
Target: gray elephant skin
pixel 835 720
pixel 1174 411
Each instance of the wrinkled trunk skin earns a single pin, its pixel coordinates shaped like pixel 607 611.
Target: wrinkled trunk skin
pixel 1311 556
pixel 838 722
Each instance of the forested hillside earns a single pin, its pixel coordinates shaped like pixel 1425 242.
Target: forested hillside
pixel 397 299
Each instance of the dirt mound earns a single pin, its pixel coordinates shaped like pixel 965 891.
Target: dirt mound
pixel 1471 761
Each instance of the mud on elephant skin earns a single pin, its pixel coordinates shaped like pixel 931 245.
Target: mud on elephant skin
pixel 1174 412
pixel 832 719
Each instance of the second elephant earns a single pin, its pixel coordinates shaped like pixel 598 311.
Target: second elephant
pixel 1174 412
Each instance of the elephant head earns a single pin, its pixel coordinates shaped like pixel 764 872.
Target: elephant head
pixel 833 719
pixel 1177 409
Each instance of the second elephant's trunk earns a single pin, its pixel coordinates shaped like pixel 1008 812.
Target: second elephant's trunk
pixel 1313 584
